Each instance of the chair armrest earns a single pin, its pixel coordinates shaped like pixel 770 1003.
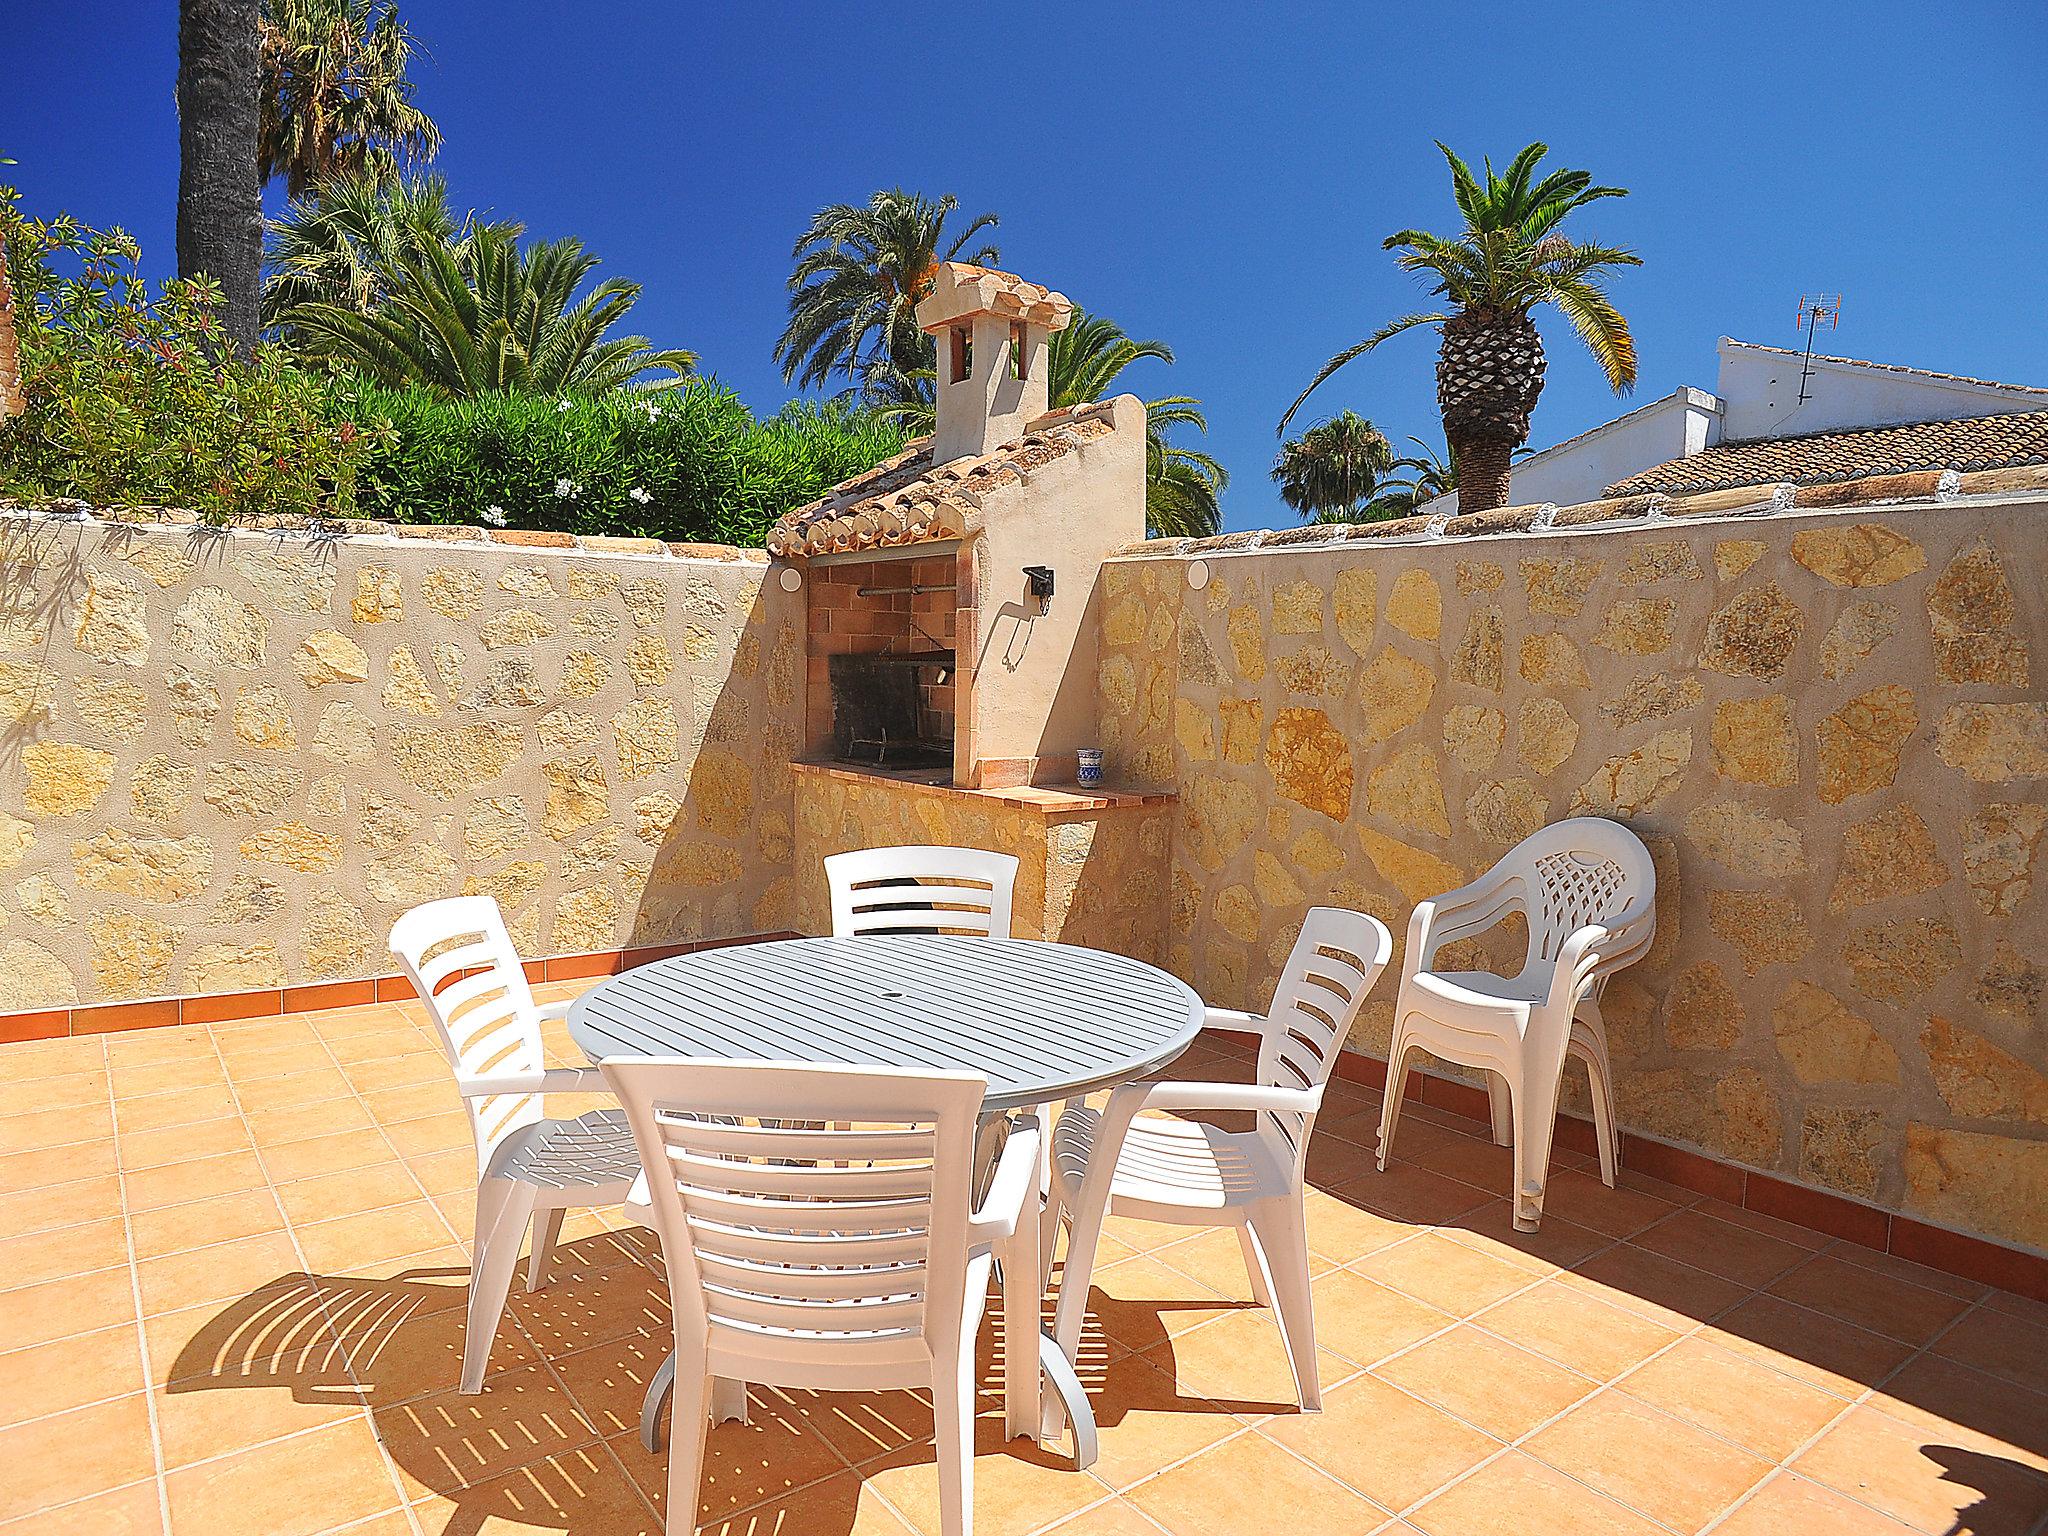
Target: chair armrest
pixel 1252 1096
pixel 1234 1019
pixel 1458 914
pixel 1015 1181
pixel 547 1011
pixel 553 1080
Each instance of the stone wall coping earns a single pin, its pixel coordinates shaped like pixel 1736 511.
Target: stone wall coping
pixel 372 533
pixel 1047 799
pixel 2026 486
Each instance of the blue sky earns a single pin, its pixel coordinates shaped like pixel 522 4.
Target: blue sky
pixel 1216 175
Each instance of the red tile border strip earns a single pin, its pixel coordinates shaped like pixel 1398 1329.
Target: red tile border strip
pixel 1818 1209
pixel 328 994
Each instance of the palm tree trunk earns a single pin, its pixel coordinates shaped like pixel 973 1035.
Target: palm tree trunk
pixel 11 401
pixel 220 200
pixel 1482 461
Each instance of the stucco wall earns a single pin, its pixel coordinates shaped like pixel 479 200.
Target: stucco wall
pixel 1829 729
pixel 229 760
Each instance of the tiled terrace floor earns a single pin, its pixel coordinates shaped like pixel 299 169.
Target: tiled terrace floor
pixel 232 1269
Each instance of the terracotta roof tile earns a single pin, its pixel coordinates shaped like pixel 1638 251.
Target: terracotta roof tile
pixel 1980 442
pixel 962 289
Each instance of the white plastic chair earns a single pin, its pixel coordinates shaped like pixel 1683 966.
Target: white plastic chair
pixel 1587 889
pixel 919 889
pixel 1189 1173
pixel 531 1170
pixel 823 1259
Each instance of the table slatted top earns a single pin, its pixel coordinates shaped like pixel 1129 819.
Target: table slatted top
pixel 1041 1021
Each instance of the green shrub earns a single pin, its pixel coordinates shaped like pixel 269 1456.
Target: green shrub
pixel 138 400
pixel 691 463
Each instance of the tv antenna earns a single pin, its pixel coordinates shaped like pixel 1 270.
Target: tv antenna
pixel 1815 309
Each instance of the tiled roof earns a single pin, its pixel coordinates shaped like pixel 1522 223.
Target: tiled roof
pixel 1980 442
pixel 907 500
pixel 961 289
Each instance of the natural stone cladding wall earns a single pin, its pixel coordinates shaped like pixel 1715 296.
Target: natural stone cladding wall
pixel 1828 728
pixel 228 760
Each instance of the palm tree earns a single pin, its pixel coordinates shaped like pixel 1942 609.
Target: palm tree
pixel 1509 258
pixel 1183 486
pixel 492 317
pixel 345 242
pixel 861 270
pixel 11 401
pixel 335 94
pixel 220 195
pixel 1333 472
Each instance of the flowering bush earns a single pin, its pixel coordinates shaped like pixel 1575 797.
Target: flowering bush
pixel 134 399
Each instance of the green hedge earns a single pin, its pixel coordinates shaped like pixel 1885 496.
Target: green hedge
pixel 687 463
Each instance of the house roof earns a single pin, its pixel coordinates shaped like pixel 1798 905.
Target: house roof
pixel 909 500
pixel 960 289
pixel 1916 373
pixel 1819 458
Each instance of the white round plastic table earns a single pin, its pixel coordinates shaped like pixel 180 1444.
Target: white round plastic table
pixel 1043 1022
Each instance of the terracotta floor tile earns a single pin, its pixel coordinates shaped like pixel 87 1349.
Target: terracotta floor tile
pixel 293 1090
pixel 1489 1384
pixel 581 1490
pixel 1918 1478
pixel 59 1205
pixel 400 1071
pixel 1661 1289
pixel 1365 1321
pixel 221 1272
pixel 203 1178
pixel 182 1143
pixel 132 1511
pixel 1112 1517
pixel 372 1237
pixel 1343 1231
pixel 1576 1329
pixel 201 1418
pixel 841 1504
pixel 1217 1261
pixel 72 1455
pixel 1789 1504
pixel 350 1192
pixel 1556 1244
pixel 2002 1343
pixel 862 1426
pixel 22 1172
pixel 131 1082
pixel 1239 1361
pixel 39 1130
pixel 297 1487
pixel 1915 1274
pixel 1391 1446
pixel 1862 1296
pixel 74 1090
pixel 1810 1345
pixel 75 1250
pixel 1450 1276
pixel 275 1334
pixel 183 1106
pixel 326 1154
pixel 36 1314
pixel 581 1308
pixel 415 1101
pixel 1582 1199
pixel 374 1045
pixel 1408 1193
pixel 1018 1486
pixel 254 1065
pixel 436 1133
pixel 1721 1248
pixel 1146 1420
pixel 1950 1399
pixel 1140 1301
pixel 201 1223
pixel 56 1058
pixel 303 1122
pixel 442 1173
pixel 70 1372
pixel 1734 1396
pixel 143 1047
pixel 448 1441
pixel 1250 1485
pixel 1145 1236
pixel 1655 1464
pixel 1516 1495
pixel 608 1383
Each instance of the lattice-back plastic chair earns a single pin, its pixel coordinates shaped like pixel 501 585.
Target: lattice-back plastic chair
pixel 820 1259
pixel 1189 1173
pixel 531 1170
pixel 1587 889
pixel 920 889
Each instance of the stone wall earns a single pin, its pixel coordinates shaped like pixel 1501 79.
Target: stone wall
pixel 229 760
pixel 1828 727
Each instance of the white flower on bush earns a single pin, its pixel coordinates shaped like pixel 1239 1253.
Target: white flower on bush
pixel 566 488
pixel 562 405
pixel 640 495
pixel 494 515
pixel 653 411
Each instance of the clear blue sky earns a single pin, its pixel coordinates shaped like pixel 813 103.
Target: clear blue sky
pixel 1216 175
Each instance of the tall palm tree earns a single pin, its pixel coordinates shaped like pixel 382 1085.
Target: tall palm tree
pixel 335 94
pixel 860 272
pixel 1429 475
pixel 1334 472
pixel 220 195
pixel 493 317
pixel 1509 258
pixel 345 241
pixel 11 401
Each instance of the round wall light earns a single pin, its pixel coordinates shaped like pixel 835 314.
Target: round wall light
pixel 791 578
pixel 1198 574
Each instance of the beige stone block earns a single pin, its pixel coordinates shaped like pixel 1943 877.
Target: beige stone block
pixel 2012 986
pixel 43 901
pixel 1247 634
pixel 577 796
pixel 1842 1149
pixel 512 885
pixel 1995 743
pixel 220 629
pixel 225 966
pixel 495 825
pixel 1858 631
pixel 649 661
pixel 294 845
pixel 159 788
pixel 1310 761
pixel 1559 587
pixel 1415 872
pixel 514 627
pixel 32 977
pixel 1970 610
pixel 1750 841
pixel 1981 1080
pixel 1407 788
pixel 1244 727
pixel 594 624
pixel 327 656
pixel 1298 608
pixel 406 689
pixel 652 816
pixel 1762 927
pixel 378 599
pixel 1996 1185
pixel 333 937
pixel 1357 606
pixel 110 623
pixel 108 705
pixel 1753 634
pixel 159 869
pixel 1701 1010
pixel 1117 680
pixel 585 920
pixel 1195 729
pixel 194 702
pixel 1859 744
pixel 446 761
pixel 1669 560
pixel 65 778
pixel 1546 735
pixel 1734 1113
pixel 1732 557
pixel 1394 692
pixel 1890 855
pixel 1901 959
pixel 167 562
pixel 1237 913
pixel 1479 576
pixel 1857 554
pixel 1481 657
pixel 26 693
pixel 509 683
pixel 250 789
pixel 1638 626
pixel 530 581
pixel 384 823
pixel 249 899
pixel 1315 672
pixel 1551 660
pixel 1197 655
pixel 1657 697
pixel 409 875
pixel 16 838
pixel 1504 811
pixel 1473 735
pixel 721 791
pixel 131 954
pixel 1415 605
pixel 264 720
pixel 647 600
pixel 2001 845
pixel 454 592
pixel 1631 783
pixel 290 583
pixel 1754 743
pixel 1825 1043
pixel 1316 852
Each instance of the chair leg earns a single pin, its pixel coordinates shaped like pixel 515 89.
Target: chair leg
pixel 728 1401
pixel 547 1230
pixel 1501 1102
pixel 1535 1124
pixel 1255 1265
pixel 1281 1231
pixel 689 1425
pixel 1600 1080
pixel 953 1420
pixel 1023 1304
pixel 1390 1105
pixel 503 1209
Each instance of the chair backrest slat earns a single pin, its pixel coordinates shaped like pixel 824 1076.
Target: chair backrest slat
pixel 1335 960
pixel 917 889
pixel 1573 873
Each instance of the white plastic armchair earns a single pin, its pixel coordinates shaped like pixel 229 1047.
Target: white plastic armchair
pixel 921 889
pixel 823 1259
pixel 1189 1172
pixel 1587 889
pixel 531 1170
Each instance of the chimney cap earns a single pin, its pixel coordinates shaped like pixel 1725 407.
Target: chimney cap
pixel 960 290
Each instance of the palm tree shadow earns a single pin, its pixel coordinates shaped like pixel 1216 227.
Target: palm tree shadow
pixel 2012 1497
